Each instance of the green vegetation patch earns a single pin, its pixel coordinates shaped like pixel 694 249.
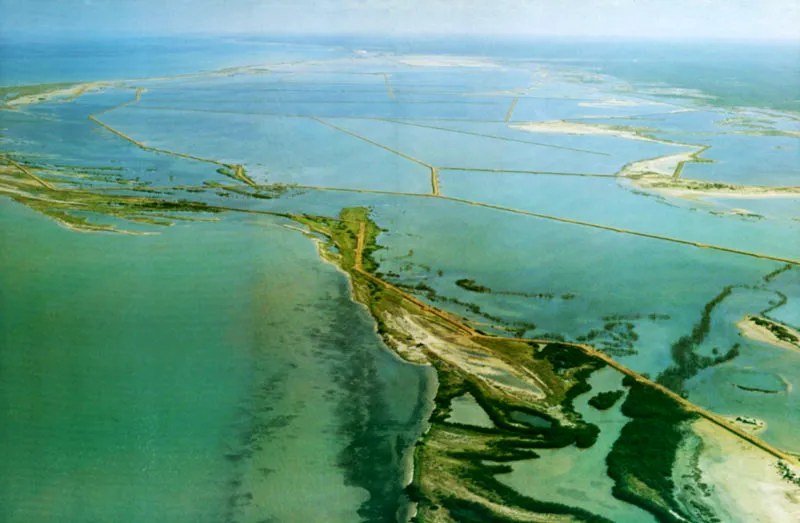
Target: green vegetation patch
pixel 449 488
pixel 787 473
pixel 642 458
pixel 83 210
pixel 343 235
pixel 472 285
pixel 606 400
pixel 777 330
pixel 564 357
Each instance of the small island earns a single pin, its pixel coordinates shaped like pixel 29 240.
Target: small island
pixel 606 400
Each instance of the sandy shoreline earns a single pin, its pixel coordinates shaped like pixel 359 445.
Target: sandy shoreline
pixel 760 492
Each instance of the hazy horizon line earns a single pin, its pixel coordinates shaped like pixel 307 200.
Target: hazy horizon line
pixel 80 35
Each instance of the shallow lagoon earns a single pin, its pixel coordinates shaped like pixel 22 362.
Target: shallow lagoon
pixel 465 410
pixel 61 135
pixel 609 202
pixel 528 151
pixel 380 107
pixel 771 370
pixel 470 80
pixel 570 475
pixel 745 159
pixel 761 381
pixel 276 149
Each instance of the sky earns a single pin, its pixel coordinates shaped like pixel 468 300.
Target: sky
pixel 661 19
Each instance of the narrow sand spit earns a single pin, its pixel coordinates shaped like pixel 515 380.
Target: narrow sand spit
pixel 738 192
pixel 563 127
pixel 698 189
pixel 444 61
